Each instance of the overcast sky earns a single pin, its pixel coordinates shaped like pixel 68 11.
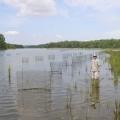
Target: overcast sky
pixel 42 21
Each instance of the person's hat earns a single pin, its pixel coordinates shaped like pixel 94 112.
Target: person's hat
pixel 94 55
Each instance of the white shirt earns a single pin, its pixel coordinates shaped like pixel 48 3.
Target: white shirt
pixel 95 65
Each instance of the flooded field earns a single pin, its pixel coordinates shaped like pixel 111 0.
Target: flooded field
pixel 55 84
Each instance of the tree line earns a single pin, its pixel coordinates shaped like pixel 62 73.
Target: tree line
pixel 4 45
pixel 106 43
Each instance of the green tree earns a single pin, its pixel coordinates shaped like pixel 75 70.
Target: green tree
pixel 2 42
pixel 107 43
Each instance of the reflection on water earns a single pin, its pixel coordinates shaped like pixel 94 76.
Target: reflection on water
pixel 56 84
pixel 95 92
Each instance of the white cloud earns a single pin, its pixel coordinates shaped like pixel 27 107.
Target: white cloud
pixel 113 34
pixel 33 7
pixel 64 12
pixel 100 5
pixel 9 33
pixel 59 36
pixel 104 12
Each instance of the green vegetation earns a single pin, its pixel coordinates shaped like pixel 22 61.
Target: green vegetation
pixel 112 43
pixel 117 111
pixel 115 63
pixel 4 45
pixel 2 42
pixel 14 46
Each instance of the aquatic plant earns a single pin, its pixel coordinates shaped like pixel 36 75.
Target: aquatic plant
pixel 114 61
pixel 9 73
pixel 117 111
pixel 69 104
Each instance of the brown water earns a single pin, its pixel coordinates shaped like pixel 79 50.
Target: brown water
pixel 55 84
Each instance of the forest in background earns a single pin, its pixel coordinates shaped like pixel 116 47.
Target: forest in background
pixel 106 43
pixel 4 45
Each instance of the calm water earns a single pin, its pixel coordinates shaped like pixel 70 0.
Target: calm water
pixel 55 84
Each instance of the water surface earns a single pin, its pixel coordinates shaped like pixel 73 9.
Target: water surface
pixel 55 84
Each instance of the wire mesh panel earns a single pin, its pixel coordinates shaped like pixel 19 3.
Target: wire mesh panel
pixel 56 67
pixel 33 79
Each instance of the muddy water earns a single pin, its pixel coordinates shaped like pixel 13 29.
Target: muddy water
pixel 56 84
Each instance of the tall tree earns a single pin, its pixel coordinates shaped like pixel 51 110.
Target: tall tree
pixel 2 42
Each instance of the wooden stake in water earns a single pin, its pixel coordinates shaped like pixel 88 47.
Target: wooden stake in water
pixel 9 73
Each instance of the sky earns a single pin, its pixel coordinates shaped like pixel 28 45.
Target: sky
pixel 41 21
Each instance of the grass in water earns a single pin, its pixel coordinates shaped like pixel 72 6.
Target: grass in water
pixel 115 62
pixel 117 111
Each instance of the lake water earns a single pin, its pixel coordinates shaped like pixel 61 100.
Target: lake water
pixel 55 84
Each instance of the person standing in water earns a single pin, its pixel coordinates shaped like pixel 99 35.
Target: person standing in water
pixel 95 66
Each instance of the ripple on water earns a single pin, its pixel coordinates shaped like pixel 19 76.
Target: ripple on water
pixel 8 104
